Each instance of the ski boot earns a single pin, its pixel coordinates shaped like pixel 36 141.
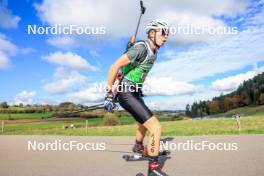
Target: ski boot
pixel 154 169
pixel 140 149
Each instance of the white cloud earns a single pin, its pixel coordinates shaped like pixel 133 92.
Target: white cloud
pixel 59 86
pixel 62 42
pixel 165 105
pixel 213 7
pixel 69 59
pixel 49 100
pixel 168 86
pixel 231 53
pixel 232 82
pixel 4 61
pixel 25 97
pixel 254 15
pixel 89 95
pixel 222 55
pixel 95 92
pixel 6 46
pixel 179 101
pixel 175 102
pixel 7 20
pixel 185 23
pixel 64 80
pixel 85 12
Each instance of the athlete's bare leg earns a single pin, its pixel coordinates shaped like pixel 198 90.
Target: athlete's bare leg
pixel 140 134
pixel 155 130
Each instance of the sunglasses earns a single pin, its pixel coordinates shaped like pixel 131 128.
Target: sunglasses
pixel 163 32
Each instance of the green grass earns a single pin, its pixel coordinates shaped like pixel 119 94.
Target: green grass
pixel 250 125
pixel 15 116
pixel 252 122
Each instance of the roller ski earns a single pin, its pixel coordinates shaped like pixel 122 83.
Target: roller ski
pixel 140 157
pixel 143 157
pixel 141 153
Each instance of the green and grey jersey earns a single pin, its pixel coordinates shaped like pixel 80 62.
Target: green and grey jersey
pixel 141 59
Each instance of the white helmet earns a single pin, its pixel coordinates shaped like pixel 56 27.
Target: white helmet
pixel 157 25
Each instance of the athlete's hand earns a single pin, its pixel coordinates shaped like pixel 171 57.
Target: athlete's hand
pixel 109 102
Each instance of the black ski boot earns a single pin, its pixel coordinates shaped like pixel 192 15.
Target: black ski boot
pixel 139 148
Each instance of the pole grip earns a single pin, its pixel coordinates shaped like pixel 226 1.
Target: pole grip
pixel 143 9
pixel 141 3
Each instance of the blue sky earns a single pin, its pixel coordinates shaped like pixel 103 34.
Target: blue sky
pixel 52 68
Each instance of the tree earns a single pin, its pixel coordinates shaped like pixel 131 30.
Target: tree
pixel 187 110
pixel 221 101
pixel 207 109
pixel 261 98
pixel 4 105
pixel 214 107
pixel 194 110
pixel 47 108
pixel 229 103
pixel 250 92
pixel 67 105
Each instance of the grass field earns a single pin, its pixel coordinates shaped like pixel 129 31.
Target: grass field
pixel 252 122
pixel 250 125
pixel 16 116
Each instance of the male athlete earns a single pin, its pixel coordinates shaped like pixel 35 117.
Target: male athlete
pixel 135 64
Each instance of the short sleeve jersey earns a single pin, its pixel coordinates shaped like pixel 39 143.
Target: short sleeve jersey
pixel 142 59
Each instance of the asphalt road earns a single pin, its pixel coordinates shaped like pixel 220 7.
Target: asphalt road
pixel 243 156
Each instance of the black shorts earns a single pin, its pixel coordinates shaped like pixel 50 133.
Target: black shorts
pixel 134 104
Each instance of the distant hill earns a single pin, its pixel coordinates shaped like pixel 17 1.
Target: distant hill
pixel 250 92
pixel 252 110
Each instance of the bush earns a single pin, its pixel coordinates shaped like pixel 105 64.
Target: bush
pixel 110 119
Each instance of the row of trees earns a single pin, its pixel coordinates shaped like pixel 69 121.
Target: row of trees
pixel 69 106
pixel 251 92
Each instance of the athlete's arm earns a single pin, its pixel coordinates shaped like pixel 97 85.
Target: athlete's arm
pixel 121 62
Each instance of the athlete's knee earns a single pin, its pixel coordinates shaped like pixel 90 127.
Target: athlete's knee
pixel 156 127
pixel 153 125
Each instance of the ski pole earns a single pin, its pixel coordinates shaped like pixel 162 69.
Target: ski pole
pixel 88 108
pixel 142 12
